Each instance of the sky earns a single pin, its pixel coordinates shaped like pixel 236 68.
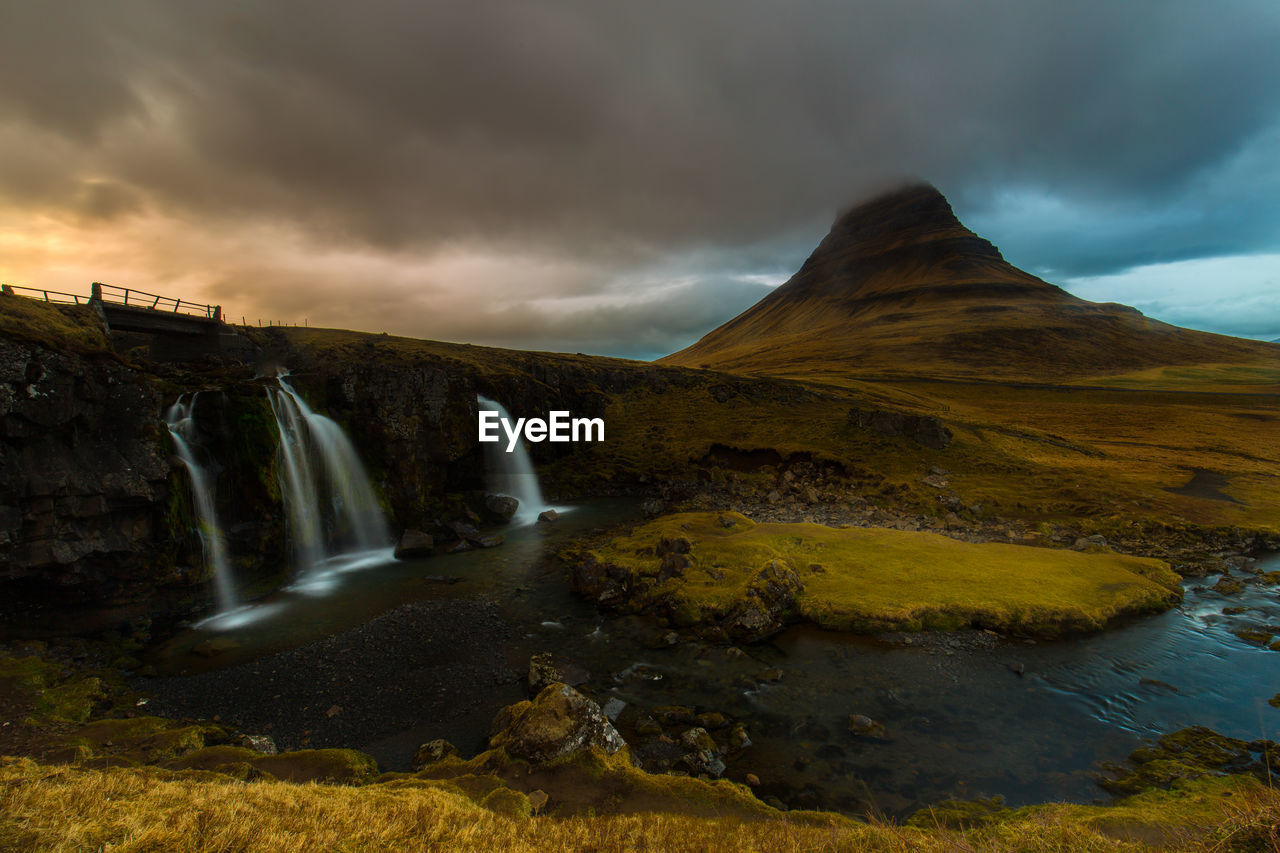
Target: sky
pixel 619 178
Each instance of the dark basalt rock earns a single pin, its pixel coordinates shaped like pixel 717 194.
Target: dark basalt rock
pixel 501 507
pixel 414 543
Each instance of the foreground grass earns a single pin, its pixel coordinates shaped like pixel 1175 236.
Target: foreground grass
pixel 144 809
pixel 870 579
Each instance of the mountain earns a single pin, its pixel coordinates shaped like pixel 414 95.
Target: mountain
pixel 899 287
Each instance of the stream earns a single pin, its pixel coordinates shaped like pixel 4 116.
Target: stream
pixel 964 715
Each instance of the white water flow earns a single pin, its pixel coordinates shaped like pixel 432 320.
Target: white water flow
pixel 332 508
pixel 512 473
pixel 182 428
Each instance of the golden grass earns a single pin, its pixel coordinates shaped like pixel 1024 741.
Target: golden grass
pixel 64 329
pixel 131 810
pixel 874 579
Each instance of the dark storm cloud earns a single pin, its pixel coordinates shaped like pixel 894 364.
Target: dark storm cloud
pixel 625 133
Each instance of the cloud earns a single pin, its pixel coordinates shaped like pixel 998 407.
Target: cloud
pixel 608 141
pixel 1230 295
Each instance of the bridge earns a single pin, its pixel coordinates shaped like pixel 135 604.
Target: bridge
pixel 181 329
pixel 129 310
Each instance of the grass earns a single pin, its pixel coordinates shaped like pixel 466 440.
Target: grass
pixel 70 808
pixel 62 328
pixel 871 579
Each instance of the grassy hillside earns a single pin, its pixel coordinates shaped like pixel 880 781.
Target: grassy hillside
pixel 67 808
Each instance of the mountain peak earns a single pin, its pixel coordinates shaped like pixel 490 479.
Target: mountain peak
pixel 914 214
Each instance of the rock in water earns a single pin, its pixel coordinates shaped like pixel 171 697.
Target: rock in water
pixel 501 507
pixel 558 722
pixel 542 672
pixel 863 726
pixel 548 515
pixel 545 669
pixel 414 543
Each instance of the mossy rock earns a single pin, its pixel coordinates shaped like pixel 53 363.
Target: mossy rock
pixel 507 802
pixel 342 766
pixel 144 740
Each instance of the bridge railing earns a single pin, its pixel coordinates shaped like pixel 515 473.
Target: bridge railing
pixel 45 295
pixel 141 299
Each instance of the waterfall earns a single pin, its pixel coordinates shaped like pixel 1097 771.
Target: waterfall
pixel 182 428
pixel 332 509
pixel 512 473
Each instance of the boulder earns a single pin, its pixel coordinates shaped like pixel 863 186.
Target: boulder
pixel 559 721
pixel 547 516
pixel 263 744
pixel 429 753
pixel 414 543
pixel 501 507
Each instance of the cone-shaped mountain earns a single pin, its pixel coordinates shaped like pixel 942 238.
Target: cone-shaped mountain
pixel 900 287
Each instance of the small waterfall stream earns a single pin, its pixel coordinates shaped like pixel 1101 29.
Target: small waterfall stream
pixel 182 428
pixel 332 507
pixel 512 473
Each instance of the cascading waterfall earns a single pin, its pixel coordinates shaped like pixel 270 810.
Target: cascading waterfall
pixel 182 428
pixel 332 508
pixel 512 473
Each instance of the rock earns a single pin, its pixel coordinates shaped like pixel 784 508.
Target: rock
pixel 861 725
pixel 431 752
pixel 538 800
pixel 464 530
pixel 609 585
pixel 547 516
pixel 701 757
pixel 501 507
pixel 752 779
pixel 677 545
pixel 263 744
pixel 492 540
pixel 652 507
pixel 712 720
pixel 648 726
pixel 768 598
pixel 542 672
pixel 1017 668
pixel 674 715
pixel 1097 540
pixel 558 722
pixel 1227 586
pixel 414 543
pixel 334 710
pixel 545 669
pixel 673 565
pixel 737 740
